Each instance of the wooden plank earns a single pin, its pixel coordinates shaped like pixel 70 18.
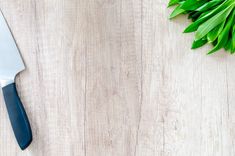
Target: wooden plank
pixel 185 92
pixel 50 36
pixel 113 77
pixel 117 78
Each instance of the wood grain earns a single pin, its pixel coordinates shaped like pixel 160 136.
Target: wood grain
pixel 117 78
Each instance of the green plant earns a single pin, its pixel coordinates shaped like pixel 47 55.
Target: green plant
pixel 213 21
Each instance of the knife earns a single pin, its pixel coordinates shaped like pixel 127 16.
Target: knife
pixel 10 65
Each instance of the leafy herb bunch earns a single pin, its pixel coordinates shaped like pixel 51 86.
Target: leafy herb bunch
pixel 213 22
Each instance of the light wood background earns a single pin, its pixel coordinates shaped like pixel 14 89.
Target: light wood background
pixel 117 78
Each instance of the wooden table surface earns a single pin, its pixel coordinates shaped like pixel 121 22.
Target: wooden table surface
pixel 117 78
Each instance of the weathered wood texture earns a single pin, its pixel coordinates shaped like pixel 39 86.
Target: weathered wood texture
pixel 117 78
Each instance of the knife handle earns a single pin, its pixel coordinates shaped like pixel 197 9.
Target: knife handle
pixel 17 115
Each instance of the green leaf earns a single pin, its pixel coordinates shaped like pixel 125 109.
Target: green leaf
pixel 194 26
pixel 214 33
pixel 199 43
pixel 192 4
pixel 208 5
pixel 233 37
pixel 194 15
pixel 173 2
pixel 212 23
pixel 228 45
pixel 176 12
pixel 224 36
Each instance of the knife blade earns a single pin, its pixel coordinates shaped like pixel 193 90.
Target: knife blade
pixel 11 64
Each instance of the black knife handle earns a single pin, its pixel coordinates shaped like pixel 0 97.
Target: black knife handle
pixel 17 115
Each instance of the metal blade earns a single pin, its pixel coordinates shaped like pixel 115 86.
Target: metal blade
pixel 10 59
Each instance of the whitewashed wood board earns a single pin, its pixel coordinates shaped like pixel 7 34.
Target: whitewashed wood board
pixel 117 78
